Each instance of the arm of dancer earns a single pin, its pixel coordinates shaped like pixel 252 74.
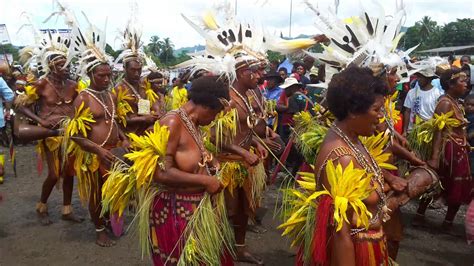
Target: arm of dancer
pixel 442 108
pixel 24 106
pixel 403 153
pixel 250 158
pixel 172 176
pixel 395 182
pixel 342 250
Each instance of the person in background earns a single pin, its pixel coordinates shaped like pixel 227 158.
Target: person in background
pixel 421 100
pixel 7 96
pixel 450 150
pixel 300 70
pixel 465 60
pixel 272 91
pixel 296 102
pixel 469 108
pixel 283 72
pixel 273 66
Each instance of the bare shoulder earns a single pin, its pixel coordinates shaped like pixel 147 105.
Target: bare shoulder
pixel 444 105
pixel 82 97
pixel 40 84
pixel 172 121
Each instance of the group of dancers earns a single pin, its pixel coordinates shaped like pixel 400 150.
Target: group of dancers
pixel 194 173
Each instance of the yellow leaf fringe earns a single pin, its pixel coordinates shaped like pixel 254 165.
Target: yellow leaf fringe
pixel 27 98
pixel 123 107
pixel 179 96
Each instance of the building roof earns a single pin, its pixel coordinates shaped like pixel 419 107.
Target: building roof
pixel 447 49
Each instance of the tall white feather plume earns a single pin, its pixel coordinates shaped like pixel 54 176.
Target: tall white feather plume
pixel 229 41
pixel 63 10
pixel 45 47
pixel 131 38
pixel 369 38
pixel 89 47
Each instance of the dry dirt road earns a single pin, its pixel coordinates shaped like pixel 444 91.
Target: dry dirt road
pixel 24 242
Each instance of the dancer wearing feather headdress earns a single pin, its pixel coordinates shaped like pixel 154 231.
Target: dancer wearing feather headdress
pixel 155 88
pixel 369 41
pixel 237 50
pixel 134 103
pixel 93 127
pixel 186 182
pixel 53 95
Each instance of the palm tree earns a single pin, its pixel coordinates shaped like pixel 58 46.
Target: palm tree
pixel 155 46
pixel 167 50
pixel 428 26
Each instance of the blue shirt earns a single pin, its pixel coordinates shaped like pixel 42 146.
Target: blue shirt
pixel 273 94
pixel 7 95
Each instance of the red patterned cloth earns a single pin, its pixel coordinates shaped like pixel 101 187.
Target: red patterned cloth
pixel 455 173
pixel 370 248
pixel 170 214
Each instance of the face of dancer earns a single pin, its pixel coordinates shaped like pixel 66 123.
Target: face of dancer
pixel 249 77
pixel 101 77
pixel 365 124
pixel 133 70
pixel 158 85
pixel 459 88
pixel 58 69
pixel 392 79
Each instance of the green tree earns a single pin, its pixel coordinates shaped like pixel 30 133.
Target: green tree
pixel 109 50
pixel 155 46
pixel 167 51
pixel 182 56
pixel 460 32
pixel 9 49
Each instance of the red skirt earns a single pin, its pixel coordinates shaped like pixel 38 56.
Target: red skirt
pixel 170 214
pixel 370 248
pixel 455 173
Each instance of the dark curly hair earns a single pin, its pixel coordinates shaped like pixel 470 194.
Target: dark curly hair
pixel 445 77
pixel 207 90
pixel 354 91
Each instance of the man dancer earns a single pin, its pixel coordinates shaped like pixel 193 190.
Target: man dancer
pixel 95 111
pixel 53 95
pixel 140 117
pixel 241 201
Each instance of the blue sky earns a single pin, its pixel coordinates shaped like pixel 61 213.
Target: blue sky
pixel 163 18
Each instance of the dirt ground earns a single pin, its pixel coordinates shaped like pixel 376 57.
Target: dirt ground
pixel 24 242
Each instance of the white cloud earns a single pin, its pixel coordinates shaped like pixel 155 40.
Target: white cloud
pixel 163 18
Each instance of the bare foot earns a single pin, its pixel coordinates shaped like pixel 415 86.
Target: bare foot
pixel 103 240
pixel 44 218
pixel 243 255
pixel 72 218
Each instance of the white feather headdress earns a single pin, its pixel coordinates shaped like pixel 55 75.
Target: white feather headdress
pixel 88 47
pixel 131 40
pixel 363 40
pixel 231 44
pixel 46 50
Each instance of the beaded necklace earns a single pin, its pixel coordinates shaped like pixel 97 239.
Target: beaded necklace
pixel 195 133
pixel 371 167
pixel 92 93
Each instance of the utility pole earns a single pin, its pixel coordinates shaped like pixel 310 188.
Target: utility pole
pixel 291 14
pixel 235 8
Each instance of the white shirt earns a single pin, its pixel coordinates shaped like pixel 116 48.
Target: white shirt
pixel 422 103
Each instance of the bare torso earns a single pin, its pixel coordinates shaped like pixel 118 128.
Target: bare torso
pixel 187 155
pixel 331 142
pixel 244 133
pixel 104 130
pixel 55 103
